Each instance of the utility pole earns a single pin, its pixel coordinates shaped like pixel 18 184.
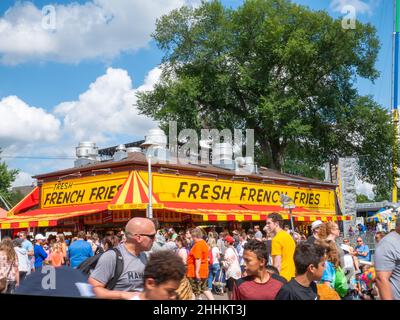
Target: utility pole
pixel 396 97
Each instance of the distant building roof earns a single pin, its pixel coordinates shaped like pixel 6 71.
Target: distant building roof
pixel 372 206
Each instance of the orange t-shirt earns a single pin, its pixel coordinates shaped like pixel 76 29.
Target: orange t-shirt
pixel 56 258
pixel 199 251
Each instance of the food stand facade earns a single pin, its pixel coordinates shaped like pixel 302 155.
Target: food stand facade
pixel 109 193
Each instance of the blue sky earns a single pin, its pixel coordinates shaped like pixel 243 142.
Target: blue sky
pixel 43 77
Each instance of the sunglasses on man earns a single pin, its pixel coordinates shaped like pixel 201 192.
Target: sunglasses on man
pixel 151 236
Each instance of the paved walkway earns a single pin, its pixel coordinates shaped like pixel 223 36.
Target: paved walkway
pixel 217 297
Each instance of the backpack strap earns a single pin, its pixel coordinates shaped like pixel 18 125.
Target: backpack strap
pixel 119 267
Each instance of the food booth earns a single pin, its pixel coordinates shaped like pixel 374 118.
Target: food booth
pixel 109 193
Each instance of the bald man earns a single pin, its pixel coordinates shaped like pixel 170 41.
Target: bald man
pixel 140 233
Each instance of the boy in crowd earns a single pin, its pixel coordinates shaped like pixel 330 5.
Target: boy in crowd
pixel 162 276
pixel 309 260
pixel 259 284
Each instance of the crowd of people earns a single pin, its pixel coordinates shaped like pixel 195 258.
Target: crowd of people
pixel 146 262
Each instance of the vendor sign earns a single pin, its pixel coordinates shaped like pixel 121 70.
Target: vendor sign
pixel 172 188
pixel 87 190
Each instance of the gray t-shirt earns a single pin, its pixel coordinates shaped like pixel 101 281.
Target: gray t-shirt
pixel 387 258
pixel 132 275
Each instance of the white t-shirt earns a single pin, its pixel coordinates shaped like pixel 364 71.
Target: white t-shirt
pixel 231 264
pixel 215 253
pixel 348 261
pixel 24 264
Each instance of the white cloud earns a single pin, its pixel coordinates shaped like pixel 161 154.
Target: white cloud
pixel 361 6
pixel 105 113
pixel 23 123
pixel 107 108
pixel 97 29
pixel 23 179
pixel 365 188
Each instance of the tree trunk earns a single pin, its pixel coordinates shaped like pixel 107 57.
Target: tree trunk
pixel 266 151
pixel 277 156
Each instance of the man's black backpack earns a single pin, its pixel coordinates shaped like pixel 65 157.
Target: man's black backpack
pixel 87 266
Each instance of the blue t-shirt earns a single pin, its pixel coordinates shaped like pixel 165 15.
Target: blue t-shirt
pixel 27 245
pixel 40 255
pixel 364 248
pixel 78 252
pixel 329 273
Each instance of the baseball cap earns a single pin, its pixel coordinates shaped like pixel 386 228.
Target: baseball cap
pixel 230 239
pixel 316 224
pixel 39 236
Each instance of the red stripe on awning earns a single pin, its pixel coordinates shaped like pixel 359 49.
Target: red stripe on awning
pixel 143 197
pixel 116 197
pixel 129 195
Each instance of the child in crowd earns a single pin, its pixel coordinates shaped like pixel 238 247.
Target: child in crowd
pixel 309 260
pixel 56 257
pixel 162 276
pixel 368 277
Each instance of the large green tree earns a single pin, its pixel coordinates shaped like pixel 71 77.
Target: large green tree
pixel 279 68
pixel 7 177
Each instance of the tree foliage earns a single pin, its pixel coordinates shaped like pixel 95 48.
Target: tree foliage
pixel 362 198
pixel 279 68
pixel 7 177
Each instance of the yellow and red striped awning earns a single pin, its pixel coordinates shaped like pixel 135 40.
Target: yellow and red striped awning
pixel 134 194
pixel 48 217
pixel 232 212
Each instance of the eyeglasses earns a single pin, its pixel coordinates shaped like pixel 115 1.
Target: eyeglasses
pixel 359 241
pixel 151 236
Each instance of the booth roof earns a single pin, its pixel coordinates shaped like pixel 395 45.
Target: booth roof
pixel 139 159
